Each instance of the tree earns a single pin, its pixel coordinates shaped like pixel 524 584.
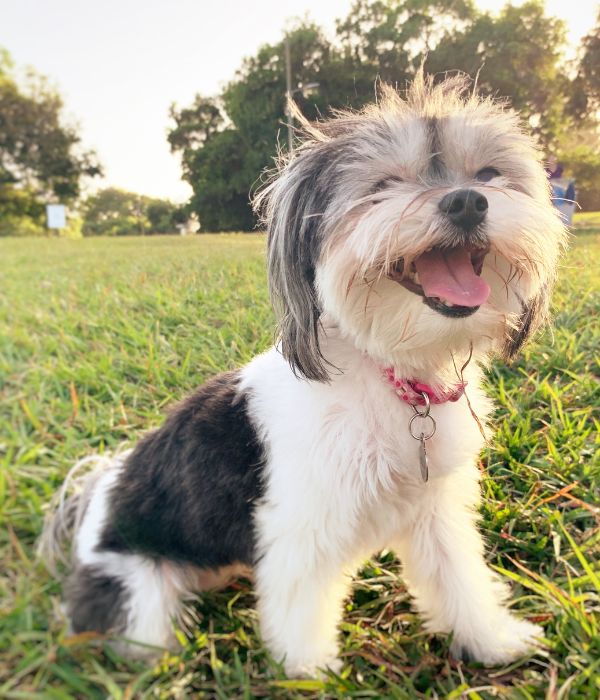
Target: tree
pixel 579 150
pixel 388 40
pixel 516 56
pixel 579 153
pixel 41 158
pixel 221 183
pixel 225 144
pixel 37 149
pixel 195 124
pixel 212 160
pixel 587 94
pixel 164 216
pixel 115 212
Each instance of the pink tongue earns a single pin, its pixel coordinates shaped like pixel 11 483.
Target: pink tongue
pixel 449 275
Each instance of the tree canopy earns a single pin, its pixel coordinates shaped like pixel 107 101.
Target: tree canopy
pixel 115 212
pixel 226 141
pixel 41 156
pixel 588 76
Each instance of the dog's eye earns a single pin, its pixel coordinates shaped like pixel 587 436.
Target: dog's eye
pixel 487 174
pixel 386 182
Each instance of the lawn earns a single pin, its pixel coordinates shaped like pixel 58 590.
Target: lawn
pixel 99 336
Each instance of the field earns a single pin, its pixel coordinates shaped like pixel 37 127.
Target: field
pixel 98 336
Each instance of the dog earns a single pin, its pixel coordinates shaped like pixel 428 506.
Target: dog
pixel 408 243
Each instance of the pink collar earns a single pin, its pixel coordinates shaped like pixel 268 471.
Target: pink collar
pixel 411 390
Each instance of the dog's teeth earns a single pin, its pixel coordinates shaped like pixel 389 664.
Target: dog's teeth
pixel 416 278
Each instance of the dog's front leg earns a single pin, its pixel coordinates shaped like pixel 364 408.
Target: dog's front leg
pixel 444 567
pixel 300 598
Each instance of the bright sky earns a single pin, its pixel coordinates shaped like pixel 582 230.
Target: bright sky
pixel 119 64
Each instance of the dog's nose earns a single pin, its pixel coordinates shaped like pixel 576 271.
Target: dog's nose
pixel 464 208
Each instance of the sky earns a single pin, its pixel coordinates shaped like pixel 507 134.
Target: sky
pixel 120 64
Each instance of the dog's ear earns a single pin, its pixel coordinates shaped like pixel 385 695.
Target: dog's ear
pixel 533 315
pixel 293 208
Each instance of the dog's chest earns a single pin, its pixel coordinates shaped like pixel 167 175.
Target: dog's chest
pixel 381 439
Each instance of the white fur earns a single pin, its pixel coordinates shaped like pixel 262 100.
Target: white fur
pixel 344 482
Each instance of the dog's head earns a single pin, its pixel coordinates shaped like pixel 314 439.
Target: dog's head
pixel 418 226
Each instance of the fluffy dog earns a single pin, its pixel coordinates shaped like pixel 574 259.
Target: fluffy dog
pixel 407 244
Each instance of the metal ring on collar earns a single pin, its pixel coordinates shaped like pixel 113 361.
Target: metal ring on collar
pixel 422 435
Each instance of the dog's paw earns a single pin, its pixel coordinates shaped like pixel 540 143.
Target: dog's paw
pixel 313 669
pixel 503 643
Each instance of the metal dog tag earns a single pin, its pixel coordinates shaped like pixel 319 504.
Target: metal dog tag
pixel 423 459
pixel 422 437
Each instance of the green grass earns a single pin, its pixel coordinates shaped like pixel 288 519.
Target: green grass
pixel 588 219
pixel 97 337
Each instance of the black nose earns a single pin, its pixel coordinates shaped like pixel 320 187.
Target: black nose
pixel 464 208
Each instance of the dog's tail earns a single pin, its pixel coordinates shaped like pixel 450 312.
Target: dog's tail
pixel 56 546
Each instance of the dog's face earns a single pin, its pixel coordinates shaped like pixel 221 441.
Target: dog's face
pixel 419 227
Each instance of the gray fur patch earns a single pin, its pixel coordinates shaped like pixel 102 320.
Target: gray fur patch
pixel 95 601
pixel 437 169
pixel 533 316
pixel 294 208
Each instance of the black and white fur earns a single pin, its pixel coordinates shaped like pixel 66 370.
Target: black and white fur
pixel 300 465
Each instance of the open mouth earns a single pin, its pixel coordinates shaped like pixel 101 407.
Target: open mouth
pixel 448 279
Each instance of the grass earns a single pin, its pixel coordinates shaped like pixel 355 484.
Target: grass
pixel 98 336
pixel 587 220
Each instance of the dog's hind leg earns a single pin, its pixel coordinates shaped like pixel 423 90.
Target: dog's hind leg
pixel 119 593
pixel 127 593
pixel 128 596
